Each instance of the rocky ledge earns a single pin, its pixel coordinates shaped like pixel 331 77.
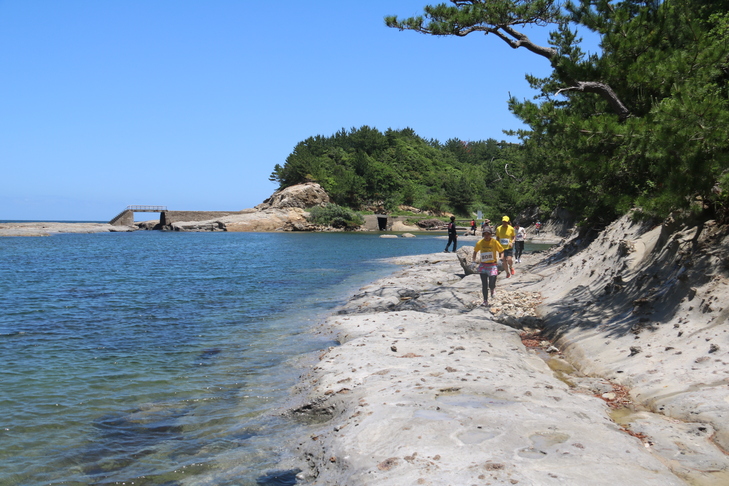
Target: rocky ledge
pixel 285 210
pixel 47 229
pixel 596 364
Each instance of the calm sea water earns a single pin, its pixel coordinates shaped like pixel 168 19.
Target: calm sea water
pixel 162 358
pixel 156 357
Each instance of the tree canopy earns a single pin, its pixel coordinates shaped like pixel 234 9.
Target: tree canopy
pixel 645 122
pixel 364 168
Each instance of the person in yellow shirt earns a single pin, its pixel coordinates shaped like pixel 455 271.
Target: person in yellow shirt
pixel 488 250
pixel 506 235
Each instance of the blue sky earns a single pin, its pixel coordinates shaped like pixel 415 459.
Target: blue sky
pixel 190 104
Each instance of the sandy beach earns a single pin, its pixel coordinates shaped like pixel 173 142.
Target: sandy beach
pixel 557 383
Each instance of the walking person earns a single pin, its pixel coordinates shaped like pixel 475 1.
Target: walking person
pixel 452 235
pixel 473 227
pixel 506 236
pixel 488 249
pixel 519 242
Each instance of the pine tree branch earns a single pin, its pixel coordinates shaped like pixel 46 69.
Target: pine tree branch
pixel 506 169
pixel 603 90
pixel 443 21
pixel 523 41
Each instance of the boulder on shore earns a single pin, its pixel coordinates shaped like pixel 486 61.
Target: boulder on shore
pixel 285 210
pixel 430 224
pixel 273 219
pixel 400 226
pixel 304 196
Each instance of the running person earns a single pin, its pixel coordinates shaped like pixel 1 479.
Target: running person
pixel 487 269
pixel 519 242
pixel 506 235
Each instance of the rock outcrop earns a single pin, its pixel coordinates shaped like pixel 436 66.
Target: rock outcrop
pixel 272 219
pixel 558 226
pixel 645 305
pixel 561 224
pixel 432 224
pixel 621 379
pixel 400 226
pixel 429 387
pixel 285 210
pixel 303 196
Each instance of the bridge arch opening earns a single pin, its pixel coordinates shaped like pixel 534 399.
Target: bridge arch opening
pixel 127 216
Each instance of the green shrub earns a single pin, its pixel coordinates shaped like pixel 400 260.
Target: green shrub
pixel 335 216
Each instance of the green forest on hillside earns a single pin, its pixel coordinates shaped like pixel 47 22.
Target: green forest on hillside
pixel 364 167
pixel 644 123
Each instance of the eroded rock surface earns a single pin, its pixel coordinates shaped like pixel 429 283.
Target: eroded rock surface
pixel 303 196
pixel 428 387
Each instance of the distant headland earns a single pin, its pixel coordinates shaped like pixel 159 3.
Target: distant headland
pixel 285 210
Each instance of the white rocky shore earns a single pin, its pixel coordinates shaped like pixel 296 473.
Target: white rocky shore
pixel 48 229
pixel 596 365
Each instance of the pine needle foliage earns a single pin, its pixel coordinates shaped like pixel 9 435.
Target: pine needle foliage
pixel 645 122
pixel 335 216
pixel 363 168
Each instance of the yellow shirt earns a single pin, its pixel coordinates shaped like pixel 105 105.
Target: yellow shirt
pixel 489 250
pixel 505 235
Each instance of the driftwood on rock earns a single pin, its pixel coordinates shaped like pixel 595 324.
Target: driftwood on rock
pixel 464 255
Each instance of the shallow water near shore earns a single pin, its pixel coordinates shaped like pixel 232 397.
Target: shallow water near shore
pixel 162 358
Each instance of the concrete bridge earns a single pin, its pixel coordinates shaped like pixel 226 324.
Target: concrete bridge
pixel 166 217
pixel 126 217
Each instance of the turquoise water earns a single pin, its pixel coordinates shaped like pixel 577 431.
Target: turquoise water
pixel 160 357
pixel 164 358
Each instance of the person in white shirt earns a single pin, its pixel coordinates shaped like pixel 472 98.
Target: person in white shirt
pixel 519 242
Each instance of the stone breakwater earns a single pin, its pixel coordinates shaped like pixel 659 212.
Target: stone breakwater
pixel 427 387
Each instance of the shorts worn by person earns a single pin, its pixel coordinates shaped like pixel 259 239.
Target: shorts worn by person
pixel 506 236
pixel 452 235
pixel 487 249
